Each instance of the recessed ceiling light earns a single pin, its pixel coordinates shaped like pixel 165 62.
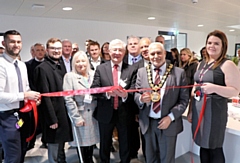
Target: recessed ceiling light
pixel 231 30
pixel 67 8
pixel 151 18
pixel 200 25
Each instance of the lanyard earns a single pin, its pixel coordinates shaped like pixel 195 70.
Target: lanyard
pixel 202 72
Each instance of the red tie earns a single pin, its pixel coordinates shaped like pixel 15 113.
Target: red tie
pixel 156 105
pixel 115 82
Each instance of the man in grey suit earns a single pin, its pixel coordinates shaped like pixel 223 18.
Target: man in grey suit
pixel 161 109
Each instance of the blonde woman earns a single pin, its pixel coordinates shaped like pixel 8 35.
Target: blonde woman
pixel 81 107
pixel 189 64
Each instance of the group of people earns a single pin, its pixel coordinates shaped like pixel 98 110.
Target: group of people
pixel 165 85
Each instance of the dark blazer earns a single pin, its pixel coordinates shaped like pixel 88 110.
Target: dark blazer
pixel 49 78
pixel 103 78
pixel 62 62
pixel 31 65
pixel 101 62
pixel 175 100
pixel 169 57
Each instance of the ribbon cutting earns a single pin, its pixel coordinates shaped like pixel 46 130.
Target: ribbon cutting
pixel 31 105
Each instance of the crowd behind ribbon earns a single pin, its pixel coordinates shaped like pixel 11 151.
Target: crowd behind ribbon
pixel 153 116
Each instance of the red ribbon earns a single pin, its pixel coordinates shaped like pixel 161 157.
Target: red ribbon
pixel 32 104
pixel 199 120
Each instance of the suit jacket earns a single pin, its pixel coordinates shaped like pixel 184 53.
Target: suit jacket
pixel 31 65
pixel 169 57
pixel 174 100
pixel 103 78
pixel 62 62
pixel 49 78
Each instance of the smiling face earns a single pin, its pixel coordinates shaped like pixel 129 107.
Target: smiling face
pixel 81 64
pixel 13 45
pixel 214 47
pixel 116 51
pixel 157 54
pixel 144 44
pixel 133 46
pixel 54 50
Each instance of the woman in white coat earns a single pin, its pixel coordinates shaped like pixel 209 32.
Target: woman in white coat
pixel 81 107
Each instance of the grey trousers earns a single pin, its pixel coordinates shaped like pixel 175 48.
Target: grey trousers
pixel 159 147
pixel 52 153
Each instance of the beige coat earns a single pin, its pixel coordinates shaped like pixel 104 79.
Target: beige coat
pixel 81 111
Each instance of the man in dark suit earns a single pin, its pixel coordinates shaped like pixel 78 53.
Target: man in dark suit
pixel 56 123
pixel 95 58
pixel 113 109
pixel 160 115
pixel 169 56
pixel 39 53
pixel 66 54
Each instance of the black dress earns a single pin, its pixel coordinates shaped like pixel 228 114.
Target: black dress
pixel 212 130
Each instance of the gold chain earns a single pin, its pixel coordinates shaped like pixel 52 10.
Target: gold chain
pixel 156 87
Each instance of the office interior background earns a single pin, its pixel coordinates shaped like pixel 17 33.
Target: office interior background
pixel 104 20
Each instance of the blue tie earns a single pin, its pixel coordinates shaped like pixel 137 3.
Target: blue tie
pixel 20 86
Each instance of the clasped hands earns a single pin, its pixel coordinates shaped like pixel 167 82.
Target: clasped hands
pixel 118 92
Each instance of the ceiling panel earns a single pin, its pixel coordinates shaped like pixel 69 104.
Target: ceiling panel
pixel 180 14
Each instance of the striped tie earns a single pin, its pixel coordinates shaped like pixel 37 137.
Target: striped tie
pixel 156 105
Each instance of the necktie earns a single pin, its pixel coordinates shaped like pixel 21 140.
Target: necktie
pixel 20 86
pixel 134 60
pixel 115 82
pixel 156 105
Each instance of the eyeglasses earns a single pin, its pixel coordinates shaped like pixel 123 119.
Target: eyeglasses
pixel 55 48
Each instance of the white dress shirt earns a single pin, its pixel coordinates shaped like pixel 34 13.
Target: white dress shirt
pixel 67 63
pixel 95 63
pixel 9 91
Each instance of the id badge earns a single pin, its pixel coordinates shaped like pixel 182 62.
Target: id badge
pixel 19 123
pixel 122 83
pixel 87 98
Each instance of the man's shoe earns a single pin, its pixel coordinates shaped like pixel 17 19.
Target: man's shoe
pixel 44 145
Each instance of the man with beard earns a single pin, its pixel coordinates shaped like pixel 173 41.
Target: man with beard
pixel 14 89
pixel 56 126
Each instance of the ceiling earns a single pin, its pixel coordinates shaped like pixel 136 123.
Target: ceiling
pixel 175 14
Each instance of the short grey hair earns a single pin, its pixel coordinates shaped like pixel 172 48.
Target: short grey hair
pixel 133 37
pixel 115 42
pixel 76 56
pixel 156 44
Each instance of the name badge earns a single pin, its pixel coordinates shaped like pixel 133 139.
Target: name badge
pixel 87 98
pixel 122 83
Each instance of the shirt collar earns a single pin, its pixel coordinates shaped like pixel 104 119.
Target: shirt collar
pixel 39 60
pixel 163 67
pixel 98 60
pixel 119 65
pixel 8 58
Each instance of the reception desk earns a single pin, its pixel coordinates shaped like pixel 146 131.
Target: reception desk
pixel 231 144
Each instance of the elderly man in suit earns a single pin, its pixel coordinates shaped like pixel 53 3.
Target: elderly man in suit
pixel 160 115
pixel 113 107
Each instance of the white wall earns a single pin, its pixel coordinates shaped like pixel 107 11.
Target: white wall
pixel 34 29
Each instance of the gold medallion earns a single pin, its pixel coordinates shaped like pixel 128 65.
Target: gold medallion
pixel 155 96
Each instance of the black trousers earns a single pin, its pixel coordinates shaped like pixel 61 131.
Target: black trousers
pixel 106 131
pixel 212 155
pixel 10 137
